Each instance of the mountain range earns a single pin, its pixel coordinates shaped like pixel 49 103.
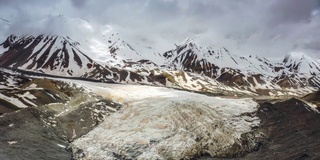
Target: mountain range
pixel 187 66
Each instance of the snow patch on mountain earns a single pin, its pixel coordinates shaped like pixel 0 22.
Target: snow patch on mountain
pixel 13 100
pixel 2 50
pixel 299 62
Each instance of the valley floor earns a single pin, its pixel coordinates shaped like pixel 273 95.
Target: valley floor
pixel 115 121
pixel 162 123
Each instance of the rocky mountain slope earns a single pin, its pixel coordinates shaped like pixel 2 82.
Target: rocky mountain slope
pixel 40 116
pixel 288 136
pixel 18 91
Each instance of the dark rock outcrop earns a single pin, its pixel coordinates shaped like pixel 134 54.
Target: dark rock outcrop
pixel 292 130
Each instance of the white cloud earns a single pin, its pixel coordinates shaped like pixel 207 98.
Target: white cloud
pixel 269 28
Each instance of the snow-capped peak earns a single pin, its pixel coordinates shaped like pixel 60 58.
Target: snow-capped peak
pixel 294 56
pixel 46 53
pixel 301 62
pixel 210 59
pixel 188 40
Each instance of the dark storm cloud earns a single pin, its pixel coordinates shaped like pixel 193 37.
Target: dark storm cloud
pixel 270 28
pixel 292 11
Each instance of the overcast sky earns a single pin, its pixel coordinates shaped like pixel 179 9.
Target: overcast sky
pixel 271 28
